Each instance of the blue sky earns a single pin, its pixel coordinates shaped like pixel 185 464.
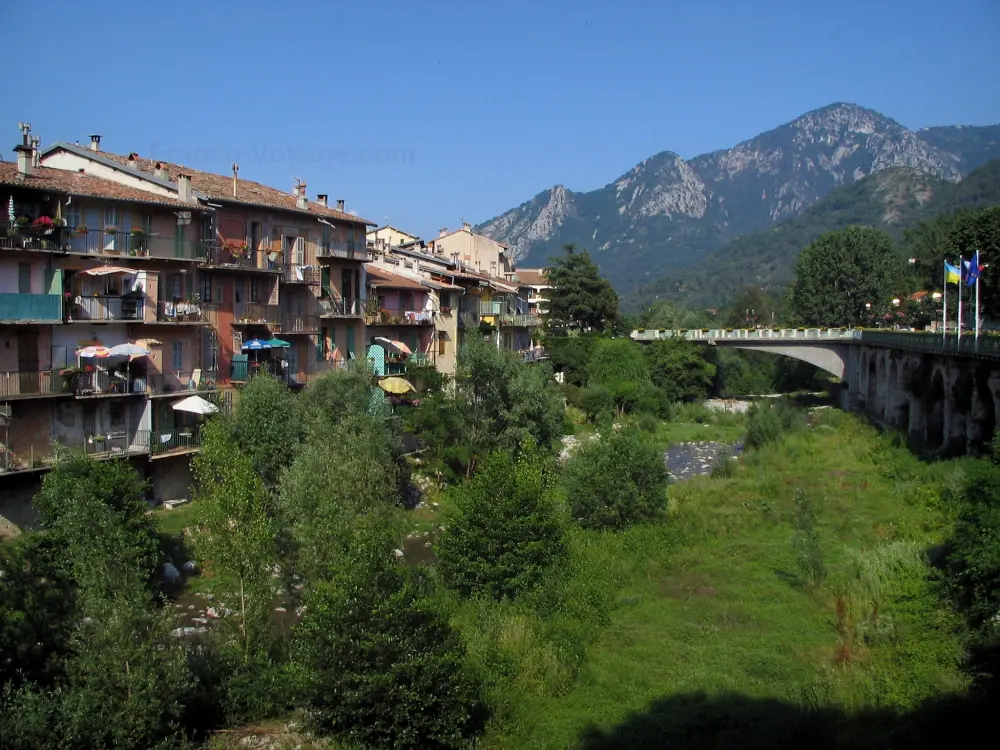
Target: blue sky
pixel 429 113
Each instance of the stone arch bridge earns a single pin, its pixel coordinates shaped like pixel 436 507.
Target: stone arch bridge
pixel 942 392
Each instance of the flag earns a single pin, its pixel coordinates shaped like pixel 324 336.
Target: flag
pixel 972 270
pixel 952 274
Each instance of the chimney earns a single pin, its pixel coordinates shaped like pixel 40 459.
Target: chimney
pixel 321 199
pixel 466 226
pixel 301 203
pixel 133 160
pixel 236 172
pixel 184 188
pixel 24 165
pixel 442 231
pixel 160 171
pixel 340 204
pixel 36 153
pixel 95 142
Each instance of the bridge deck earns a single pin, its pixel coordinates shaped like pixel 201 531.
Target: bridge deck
pixel 986 347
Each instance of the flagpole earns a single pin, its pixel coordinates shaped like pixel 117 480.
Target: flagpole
pixel 977 304
pixel 959 339
pixel 944 314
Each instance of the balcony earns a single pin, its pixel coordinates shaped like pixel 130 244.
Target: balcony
pixel 134 243
pixel 291 323
pixel 180 440
pixel 345 250
pixel 468 319
pixel 343 308
pixel 25 308
pixel 183 312
pixel 301 275
pixel 27 384
pixel 181 381
pixel 246 313
pixel 493 307
pixel 118 444
pixel 106 308
pixel 533 355
pixel 520 320
pixel 27 238
pixel 103 383
pixel 399 316
pixel 243 260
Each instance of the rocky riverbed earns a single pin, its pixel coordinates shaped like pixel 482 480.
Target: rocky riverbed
pixel 686 460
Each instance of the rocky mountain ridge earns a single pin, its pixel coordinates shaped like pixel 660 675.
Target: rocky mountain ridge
pixel 667 213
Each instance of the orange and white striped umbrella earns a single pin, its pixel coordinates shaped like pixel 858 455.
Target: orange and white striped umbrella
pixel 93 351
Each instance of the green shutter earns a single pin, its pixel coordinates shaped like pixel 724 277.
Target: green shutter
pixel 319 344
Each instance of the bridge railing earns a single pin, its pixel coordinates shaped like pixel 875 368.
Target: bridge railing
pixel 753 334
pixel 985 346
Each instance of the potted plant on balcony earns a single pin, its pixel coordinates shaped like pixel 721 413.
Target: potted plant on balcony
pixel 81 230
pixel 71 377
pixel 21 222
pixel 110 229
pixel 138 242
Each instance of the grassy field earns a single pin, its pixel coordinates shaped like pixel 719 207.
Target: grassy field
pixel 713 602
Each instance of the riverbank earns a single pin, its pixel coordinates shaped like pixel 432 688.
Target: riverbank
pixel 712 602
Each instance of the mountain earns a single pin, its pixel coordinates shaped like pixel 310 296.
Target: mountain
pixel 973 145
pixel 893 199
pixel 667 213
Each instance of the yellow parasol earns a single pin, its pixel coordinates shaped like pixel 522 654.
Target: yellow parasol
pixel 396 385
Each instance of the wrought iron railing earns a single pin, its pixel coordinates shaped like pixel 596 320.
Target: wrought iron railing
pixel 344 308
pixel 104 307
pixel 342 249
pixel 291 323
pixel 179 439
pixel 103 383
pixel 255 312
pixel 181 381
pixel 182 312
pixel 399 316
pixel 301 275
pixel 247 260
pixel 28 384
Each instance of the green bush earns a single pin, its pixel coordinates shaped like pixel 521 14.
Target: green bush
pixel 380 664
pixel 763 426
pixel 724 465
pixel 808 549
pixel 596 401
pixel 505 530
pixel 617 480
pixel 647 423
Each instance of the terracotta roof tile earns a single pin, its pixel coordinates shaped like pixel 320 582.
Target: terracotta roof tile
pixel 379 277
pixel 81 183
pixel 220 188
pixel 532 277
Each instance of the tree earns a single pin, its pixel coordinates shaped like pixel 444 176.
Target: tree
pixel 679 369
pixel 570 355
pixel 497 402
pixel 616 481
pixel 96 514
pixel 382 667
pixel 842 272
pixel 619 366
pixel 578 296
pixel 268 426
pixel 345 479
pixel 239 532
pixel 505 531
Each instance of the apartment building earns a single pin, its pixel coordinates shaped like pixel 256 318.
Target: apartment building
pixel 537 284
pixel 276 265
pixel 98 334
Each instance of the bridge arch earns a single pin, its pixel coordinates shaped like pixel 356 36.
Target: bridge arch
pixel 936 400
pixel 830 358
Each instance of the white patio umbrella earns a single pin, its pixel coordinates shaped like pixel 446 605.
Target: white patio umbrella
pixel 129 350
pixel 195 405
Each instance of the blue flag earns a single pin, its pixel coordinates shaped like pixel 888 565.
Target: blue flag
pixel 972 270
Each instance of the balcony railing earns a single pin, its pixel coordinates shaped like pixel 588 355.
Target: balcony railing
pixel 291 323
pixel 103 307
pixel 103 383
pixel 27 384
pixel 301 275
pixel 28 238
pixel 181 381
pixel 180 439
pixel 31 307
pixel 420 359
pixel 399 316
pixel 119 443
pixel 255 312
pixel 343 308
pixel 349 250
pixel 520 320
pixel 495 307
pixel 183 312
pixel 533 355
pixel 249 260
pixel 134 243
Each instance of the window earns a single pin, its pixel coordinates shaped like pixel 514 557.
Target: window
pixel 112 217
pixel 300 252
pixel 178 355
pixel 440 346
pixel 24 278
pixel 220 292
pixel 147 225
pixel 325 243
pixel 175 285
pixel 255 236
pixel 206 289
pixel 73 215
pixel 254 290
